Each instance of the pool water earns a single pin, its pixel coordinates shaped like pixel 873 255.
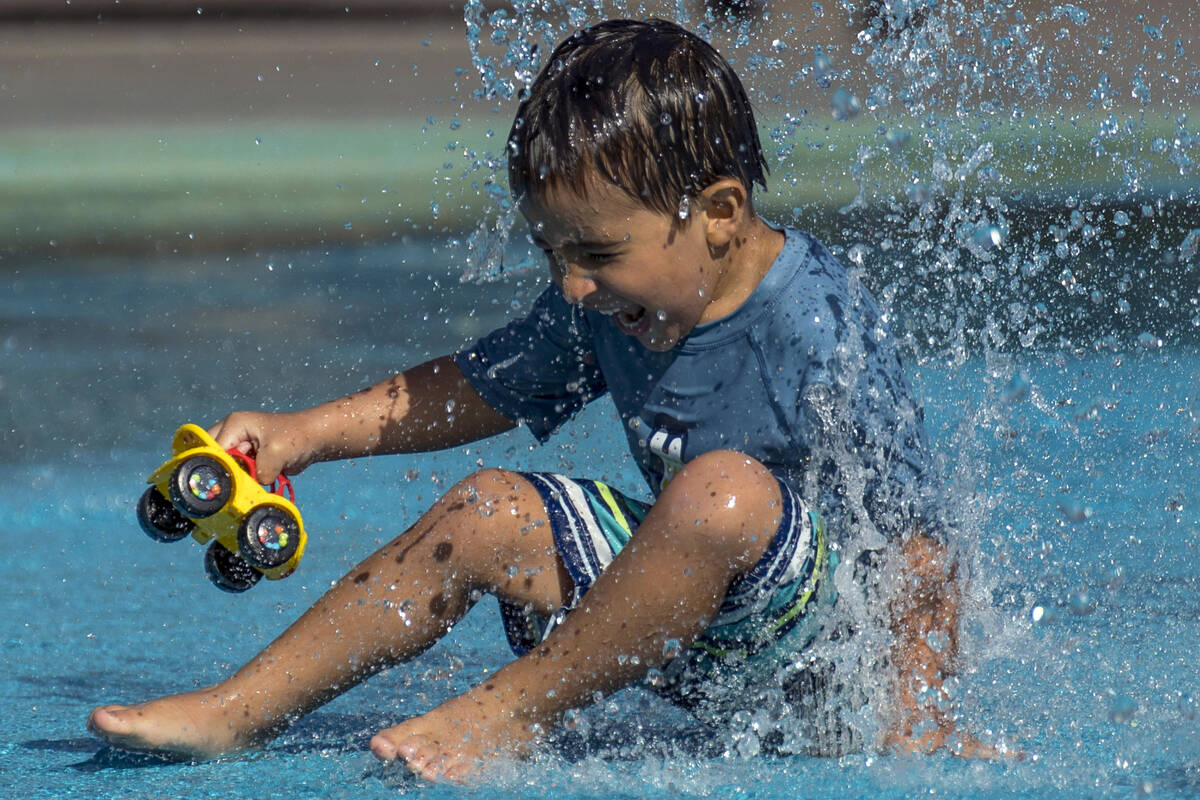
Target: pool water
pixel 1075 473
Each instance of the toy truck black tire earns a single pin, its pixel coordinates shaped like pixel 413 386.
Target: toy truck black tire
pixel 159 519
pixel 200 487
pixel 227 570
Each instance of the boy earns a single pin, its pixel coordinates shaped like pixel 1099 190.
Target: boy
pixel 748 373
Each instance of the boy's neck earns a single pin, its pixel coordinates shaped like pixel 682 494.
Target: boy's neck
pixel 748 259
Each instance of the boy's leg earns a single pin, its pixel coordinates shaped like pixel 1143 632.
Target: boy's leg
pixel 712 523
pixel 488 534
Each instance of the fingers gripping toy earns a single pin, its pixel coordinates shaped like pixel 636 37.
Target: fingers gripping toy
pixel 212 494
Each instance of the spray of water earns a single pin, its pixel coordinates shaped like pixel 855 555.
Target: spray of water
pixel 1010 181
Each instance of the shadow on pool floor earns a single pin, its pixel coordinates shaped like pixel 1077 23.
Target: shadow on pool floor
pixel 327 733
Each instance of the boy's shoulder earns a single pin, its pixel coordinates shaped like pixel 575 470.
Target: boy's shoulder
pixel 806 286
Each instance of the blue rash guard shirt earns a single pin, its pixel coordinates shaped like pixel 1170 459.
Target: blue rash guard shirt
pixel 803 377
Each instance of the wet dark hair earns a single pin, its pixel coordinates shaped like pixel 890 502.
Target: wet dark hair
pixel 647 106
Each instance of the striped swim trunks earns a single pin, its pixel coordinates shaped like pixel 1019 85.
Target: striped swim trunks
pixel 591 522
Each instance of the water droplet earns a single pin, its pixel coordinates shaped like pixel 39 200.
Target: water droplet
pixel 1074 512
pixel 685 207
pixel 1016 390
pixel 1120 219
pixel 1081 602
pixel 821 67
pixel 941 168
pixel 917 193
pixel 858 253
pixel 1189 248
pixel 664 118
pixel 897 140
pixel 1044 613
pixel 937 640
pixel 1122 710
pixel 844 105
pixel 573 720
pixel 988 236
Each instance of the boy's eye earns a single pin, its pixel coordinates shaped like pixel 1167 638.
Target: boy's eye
pixel 559 261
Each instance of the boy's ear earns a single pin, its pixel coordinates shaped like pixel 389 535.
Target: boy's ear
pixel 726 207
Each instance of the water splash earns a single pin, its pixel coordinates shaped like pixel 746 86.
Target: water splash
pixel 1017 187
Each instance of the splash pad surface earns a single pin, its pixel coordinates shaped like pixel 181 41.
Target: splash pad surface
pixel 1087 582
pixel 1018 192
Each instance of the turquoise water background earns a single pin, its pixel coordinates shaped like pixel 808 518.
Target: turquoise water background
pixel 1077 469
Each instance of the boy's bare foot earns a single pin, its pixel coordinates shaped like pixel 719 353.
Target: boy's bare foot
pixel 195 725
pixel 454 740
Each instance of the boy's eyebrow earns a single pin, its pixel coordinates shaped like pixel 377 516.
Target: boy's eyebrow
pixel 583 244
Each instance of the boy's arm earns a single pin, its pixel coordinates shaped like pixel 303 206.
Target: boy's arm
pixel 427 407
pixel 924 621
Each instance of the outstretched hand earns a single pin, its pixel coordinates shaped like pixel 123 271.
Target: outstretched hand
pixel 277 442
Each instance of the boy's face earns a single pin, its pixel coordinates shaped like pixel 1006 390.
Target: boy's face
pixel 655 279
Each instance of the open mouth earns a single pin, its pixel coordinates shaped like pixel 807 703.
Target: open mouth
pixel 632 323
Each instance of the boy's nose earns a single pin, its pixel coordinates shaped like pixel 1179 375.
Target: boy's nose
pixel 576 287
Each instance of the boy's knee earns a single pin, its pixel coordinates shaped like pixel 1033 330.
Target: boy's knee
pixel 727 495
pixel 727 474
pixel 475 508
pixel 489 486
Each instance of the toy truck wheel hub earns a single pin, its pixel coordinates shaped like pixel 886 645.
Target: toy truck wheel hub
pixel 268 537
pixel 204 483
pixel 200 486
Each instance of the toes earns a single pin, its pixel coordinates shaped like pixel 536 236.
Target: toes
pixel 383 748
pixel 105 720
pixel 418 756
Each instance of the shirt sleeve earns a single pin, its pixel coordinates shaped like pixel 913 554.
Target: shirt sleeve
pixel 538 371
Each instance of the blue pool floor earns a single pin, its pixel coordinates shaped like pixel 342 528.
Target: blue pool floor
pixel 1086 543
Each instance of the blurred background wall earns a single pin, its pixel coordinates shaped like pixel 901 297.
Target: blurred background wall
pixel 163 126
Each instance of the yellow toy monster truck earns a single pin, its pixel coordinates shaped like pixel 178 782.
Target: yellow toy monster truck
pixel 212 494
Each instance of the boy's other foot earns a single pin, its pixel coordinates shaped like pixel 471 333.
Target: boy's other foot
pixel 196 725
pixel 454 740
